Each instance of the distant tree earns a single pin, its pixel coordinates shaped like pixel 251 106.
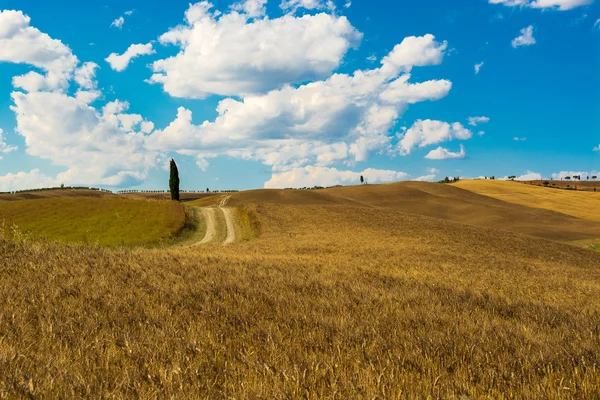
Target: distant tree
pixel 446 180
pixel 512 177
pixel 174 181
pixel 207 191
pixel 594 177
pixel 568 178
pixel 362 179
pixel 493 177
pixel 62 185
pixel 546 183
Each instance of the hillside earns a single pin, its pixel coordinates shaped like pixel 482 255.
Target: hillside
pixel 579 204
pixel 439 201
pixel 51 194
pixel 329 302
pixel 106 221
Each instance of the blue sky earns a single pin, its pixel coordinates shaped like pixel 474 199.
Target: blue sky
pixel 293 93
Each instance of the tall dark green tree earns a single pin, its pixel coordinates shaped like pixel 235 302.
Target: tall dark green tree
pixel 174 181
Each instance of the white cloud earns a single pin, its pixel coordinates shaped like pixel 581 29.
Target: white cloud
pixel 253 8
pixel 478 67
pixel 597 148
pixel 525 39
pixel 481 133
pixel 105 148
pixel 293 5
pixel 129 13
pixel 118 23
pixel 562 5
pixel 474 121
pixel 433 170
pixel 584 174
pixel 310 176
pixel 442 154
pixel 597 23
pixel 348 4
pixel 4 148
pixel 229 55
pixel 518 139
pixel 26 180
pixel 338 120
pixel 427 132
pixel 320 122
pixel 528 176
pixel 119 62
pixel 24 44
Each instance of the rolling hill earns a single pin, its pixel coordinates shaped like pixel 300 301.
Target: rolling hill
pixel 107 221
pixel 579 204
pixel 331 301
pixel 440 201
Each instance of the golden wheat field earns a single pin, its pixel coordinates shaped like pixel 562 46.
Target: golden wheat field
pixel 581 204
pixel 335 294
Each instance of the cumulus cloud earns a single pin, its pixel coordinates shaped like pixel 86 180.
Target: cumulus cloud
pixel 518 139
pixel 427 132
pixel 562 5
pixel 322 121
pixel 525 39
pixel 584 174
pixel 474 121
pixel 341 119
pixel 119 62
pixel 24 44
pixel 26 180
pixel 310 176
pixel 597 148
pixel 229 55
pixel 97 147
pixel 253 8
pixel 528 176
pixel 442 153
pixel 478 67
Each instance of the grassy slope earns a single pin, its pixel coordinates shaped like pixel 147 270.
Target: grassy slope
pixel 50 194
pixel 576 203
pixel 105 221
pixel 439 201
pixel 372 303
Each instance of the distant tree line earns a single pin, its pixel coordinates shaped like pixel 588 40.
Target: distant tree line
pixel 62 187
pixel 449 180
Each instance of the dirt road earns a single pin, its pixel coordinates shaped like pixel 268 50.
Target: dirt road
pixel 210 216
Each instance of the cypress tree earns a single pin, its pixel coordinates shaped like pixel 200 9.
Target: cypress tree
pixel 174 181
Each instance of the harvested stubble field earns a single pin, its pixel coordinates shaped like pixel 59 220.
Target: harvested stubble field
pixel 579 204
pixel 329 302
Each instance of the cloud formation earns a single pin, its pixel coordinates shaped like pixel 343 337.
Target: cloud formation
pixel 119 62
pixel 340 119
pixel 427 132
pixel 474 121
pixel 562 5
pixel 525 39
pixel 442 153
pixel 234 55
pixel 322 176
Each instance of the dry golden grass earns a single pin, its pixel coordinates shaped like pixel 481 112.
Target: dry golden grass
pixel 329 302
pixel 579 204
pixel 439 201
pixel 106 221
